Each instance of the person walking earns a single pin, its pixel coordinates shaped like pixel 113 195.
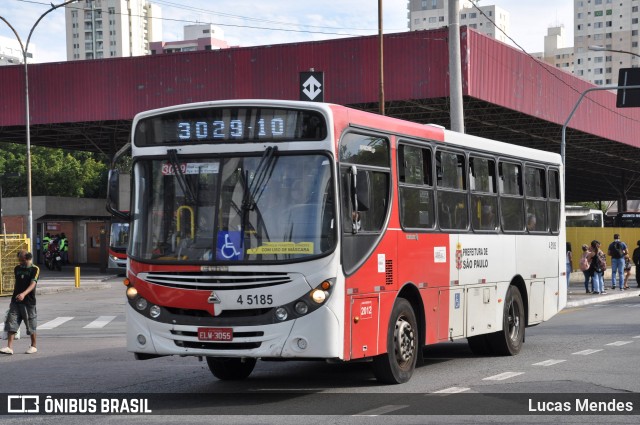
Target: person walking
pixel 584 265
pixel 23 303
pixel 596 268
pixel 617 251
pixel 636 260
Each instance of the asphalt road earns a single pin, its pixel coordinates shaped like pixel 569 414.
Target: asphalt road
pixel 594 349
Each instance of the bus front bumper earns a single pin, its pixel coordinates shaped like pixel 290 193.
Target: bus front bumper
pixel 317 335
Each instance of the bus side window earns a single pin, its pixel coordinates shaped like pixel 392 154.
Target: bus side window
pixel 511 200
pixel 554 201
pixel 484 200
pixel 536 202
pixel 416 187
pixel 452 194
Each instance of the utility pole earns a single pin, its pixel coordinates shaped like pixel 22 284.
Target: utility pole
pixel 456 113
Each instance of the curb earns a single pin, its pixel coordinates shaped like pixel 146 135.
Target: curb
pixel 595 299
pixel 56 289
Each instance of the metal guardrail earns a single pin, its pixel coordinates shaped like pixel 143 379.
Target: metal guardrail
pixel 9 247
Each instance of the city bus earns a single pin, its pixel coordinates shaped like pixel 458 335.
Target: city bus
pixel 264 229
pixel 577 216
pixel 118 241
pixel 627 219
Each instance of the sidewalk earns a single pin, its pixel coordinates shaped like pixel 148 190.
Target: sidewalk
pixel 51 281
pixel 578 296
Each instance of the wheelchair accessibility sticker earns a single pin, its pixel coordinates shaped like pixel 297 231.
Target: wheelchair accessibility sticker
pixel 229 246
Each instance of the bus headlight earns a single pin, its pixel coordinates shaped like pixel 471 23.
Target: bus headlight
pixel 281 314
pixel 154 311
pixel 301 308
pixel 318 295
pixel 131 292
pixel 141 303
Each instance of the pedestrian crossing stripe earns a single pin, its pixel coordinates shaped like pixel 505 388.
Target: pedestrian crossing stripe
pixel 98 323
pixel 54 323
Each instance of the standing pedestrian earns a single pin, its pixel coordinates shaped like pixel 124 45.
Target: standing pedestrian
pixel 636 261
pixel 596 268
pixel 64 248
pixel 45 244
pixel 617 251
pixel 627 271
pixel 23 303
pixel 584 266
pixel 569 263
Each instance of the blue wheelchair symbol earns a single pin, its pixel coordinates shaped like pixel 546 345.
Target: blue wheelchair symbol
pixel 229 246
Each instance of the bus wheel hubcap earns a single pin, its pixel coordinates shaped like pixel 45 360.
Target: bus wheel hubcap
pixel 405 340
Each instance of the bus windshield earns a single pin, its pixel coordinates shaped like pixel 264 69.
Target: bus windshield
pixel 233 209
pixel 119 238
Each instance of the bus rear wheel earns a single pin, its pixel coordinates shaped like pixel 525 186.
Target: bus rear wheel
pixel 397 365
pixel 508 342
pixel 231 368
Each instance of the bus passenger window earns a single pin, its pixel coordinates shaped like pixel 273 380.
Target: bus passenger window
pixel 536 203
pixel 511 200
pixel 452 194
pixel 484 200
pixel 416 191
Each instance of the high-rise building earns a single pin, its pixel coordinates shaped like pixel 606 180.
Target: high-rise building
pixel 556 52
pixel 196 37
pixel 111 28
pixel 431 14
pixel 11 53
pixel 606 24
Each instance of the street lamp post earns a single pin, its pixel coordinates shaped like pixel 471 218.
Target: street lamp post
pixel 604 49
pixel 25 50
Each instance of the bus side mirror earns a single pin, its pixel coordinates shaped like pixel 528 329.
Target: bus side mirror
pixel 113 190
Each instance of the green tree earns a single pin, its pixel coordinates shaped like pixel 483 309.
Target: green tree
pixel 54 172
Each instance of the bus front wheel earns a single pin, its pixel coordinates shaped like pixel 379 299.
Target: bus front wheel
pixel 231 368
pixel 508 342
pixel 397 365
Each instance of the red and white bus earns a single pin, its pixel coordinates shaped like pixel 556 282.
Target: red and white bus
pixel 289 230
pixel 118 241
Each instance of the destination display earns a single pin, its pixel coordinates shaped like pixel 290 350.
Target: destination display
pixel 211 125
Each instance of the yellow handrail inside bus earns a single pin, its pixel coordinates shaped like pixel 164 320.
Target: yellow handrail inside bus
pixel 193 219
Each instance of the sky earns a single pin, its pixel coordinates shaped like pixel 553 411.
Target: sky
pixel 262 22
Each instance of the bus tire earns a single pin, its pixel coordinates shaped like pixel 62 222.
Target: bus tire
pixel 480 345
pixel 231 368
pixel 397 365
pixel 508 342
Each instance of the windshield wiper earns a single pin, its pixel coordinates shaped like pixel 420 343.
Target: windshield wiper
pixel 262 174
pixel 182 181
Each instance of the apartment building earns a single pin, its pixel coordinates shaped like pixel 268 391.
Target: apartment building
pixel 430 14
pixel 111 28
pixel 610 25
pixel 196 37
pixel 556 52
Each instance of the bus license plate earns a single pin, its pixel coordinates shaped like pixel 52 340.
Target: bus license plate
pixel 215 334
